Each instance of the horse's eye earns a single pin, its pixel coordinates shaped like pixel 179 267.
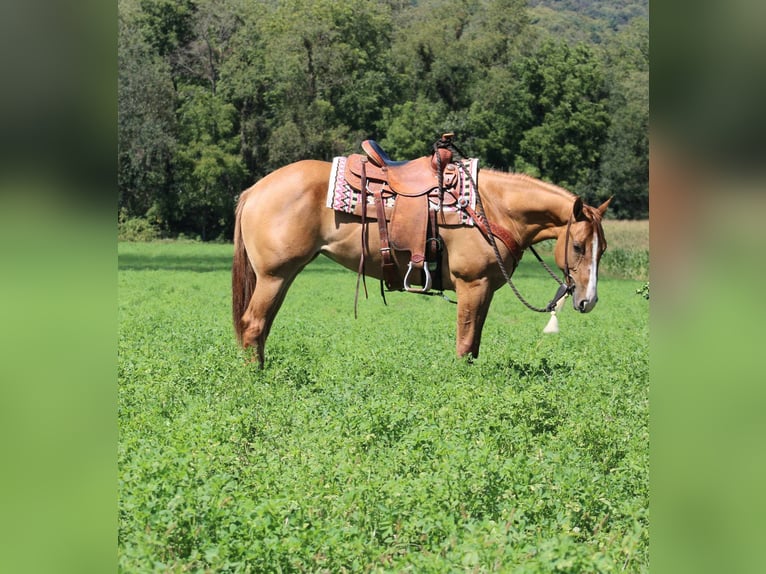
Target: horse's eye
pixel 578 247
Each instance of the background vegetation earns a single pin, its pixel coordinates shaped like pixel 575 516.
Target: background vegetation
pixel 366 445
pixel 214 94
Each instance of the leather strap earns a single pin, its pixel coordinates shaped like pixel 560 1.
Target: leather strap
pixel 360 272
pixel 434 250
pixel 390 273
pixel 432 241
pixel 501 233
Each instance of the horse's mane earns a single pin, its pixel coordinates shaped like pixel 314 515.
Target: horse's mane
pixel 525 177
pixel 590 213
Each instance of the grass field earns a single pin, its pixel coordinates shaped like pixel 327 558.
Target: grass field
pixel 366 445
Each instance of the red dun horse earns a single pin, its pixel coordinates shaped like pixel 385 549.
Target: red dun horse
pixel 282 223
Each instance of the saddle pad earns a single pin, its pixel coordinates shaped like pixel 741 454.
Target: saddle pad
pixel 342 197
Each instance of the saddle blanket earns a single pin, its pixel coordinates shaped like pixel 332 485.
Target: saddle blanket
pixel 342 197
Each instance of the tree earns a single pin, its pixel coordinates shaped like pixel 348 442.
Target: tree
pixel 145 121
pixel 167 26
pixel 245 84
pixel 213 27
pixel 215 94
pixel 563 98
pixel 428 53
pixel 209 170
pixel 497 34
pixel 625 165
pixel 495 120
pixel 412 127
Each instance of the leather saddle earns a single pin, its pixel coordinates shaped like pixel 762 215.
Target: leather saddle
pixel 417 189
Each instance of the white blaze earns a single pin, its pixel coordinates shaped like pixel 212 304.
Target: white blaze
pixel 590 293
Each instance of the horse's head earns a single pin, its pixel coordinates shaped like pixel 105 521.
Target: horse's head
pixel 578 251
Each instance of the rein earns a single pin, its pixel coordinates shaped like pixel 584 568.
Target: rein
pixel 565 287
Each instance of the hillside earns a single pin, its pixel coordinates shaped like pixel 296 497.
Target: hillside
pixel 586 21
pixel 613 13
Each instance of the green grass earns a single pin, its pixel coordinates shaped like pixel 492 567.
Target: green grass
pixel 366 445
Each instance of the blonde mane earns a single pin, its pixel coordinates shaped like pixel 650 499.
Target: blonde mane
pixel 525 177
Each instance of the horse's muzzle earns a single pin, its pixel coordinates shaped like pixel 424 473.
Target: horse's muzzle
pixel 585 305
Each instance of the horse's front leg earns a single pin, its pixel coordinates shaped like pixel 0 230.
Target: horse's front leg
pixel 473 299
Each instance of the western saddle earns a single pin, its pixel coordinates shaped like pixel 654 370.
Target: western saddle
pixel 417 189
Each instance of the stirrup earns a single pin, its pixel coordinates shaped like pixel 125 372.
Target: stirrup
pixel 411 289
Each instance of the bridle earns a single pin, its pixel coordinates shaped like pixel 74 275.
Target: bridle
pixel 566 287
pixel 567 267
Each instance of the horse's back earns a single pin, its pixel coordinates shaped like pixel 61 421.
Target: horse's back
pixel 294 179
pixel 288 190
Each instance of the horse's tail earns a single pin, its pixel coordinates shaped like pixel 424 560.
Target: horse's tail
pixel 242 275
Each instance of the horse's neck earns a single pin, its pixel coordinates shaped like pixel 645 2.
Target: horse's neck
pixel 533 209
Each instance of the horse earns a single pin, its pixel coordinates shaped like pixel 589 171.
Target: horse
pixel 282 224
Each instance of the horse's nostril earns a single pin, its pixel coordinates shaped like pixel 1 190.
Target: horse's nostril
pixel 583 303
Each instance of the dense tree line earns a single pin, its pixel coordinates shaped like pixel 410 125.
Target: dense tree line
pixel 214 94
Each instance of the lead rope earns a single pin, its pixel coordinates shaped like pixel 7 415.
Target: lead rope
pixel 557 303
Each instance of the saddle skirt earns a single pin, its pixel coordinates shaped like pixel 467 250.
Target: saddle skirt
pixel 344 188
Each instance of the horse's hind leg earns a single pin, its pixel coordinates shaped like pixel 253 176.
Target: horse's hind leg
pixel 267 298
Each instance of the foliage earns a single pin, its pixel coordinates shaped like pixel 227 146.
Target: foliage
pixel 213 95
pixel 614 12
pixel 356 452
pixel 136 229
pixel 625 168
pixel 627 254
pixel 632 263
pixel 209 169
pixel 410 125
pixel 643 290
pixel 563 94
pixel 146 122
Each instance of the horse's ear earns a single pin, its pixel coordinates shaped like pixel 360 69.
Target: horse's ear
pixel 602 208
pixel 577 209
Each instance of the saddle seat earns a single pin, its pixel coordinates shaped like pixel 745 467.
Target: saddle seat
pixel 378 156
pixel 410 177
